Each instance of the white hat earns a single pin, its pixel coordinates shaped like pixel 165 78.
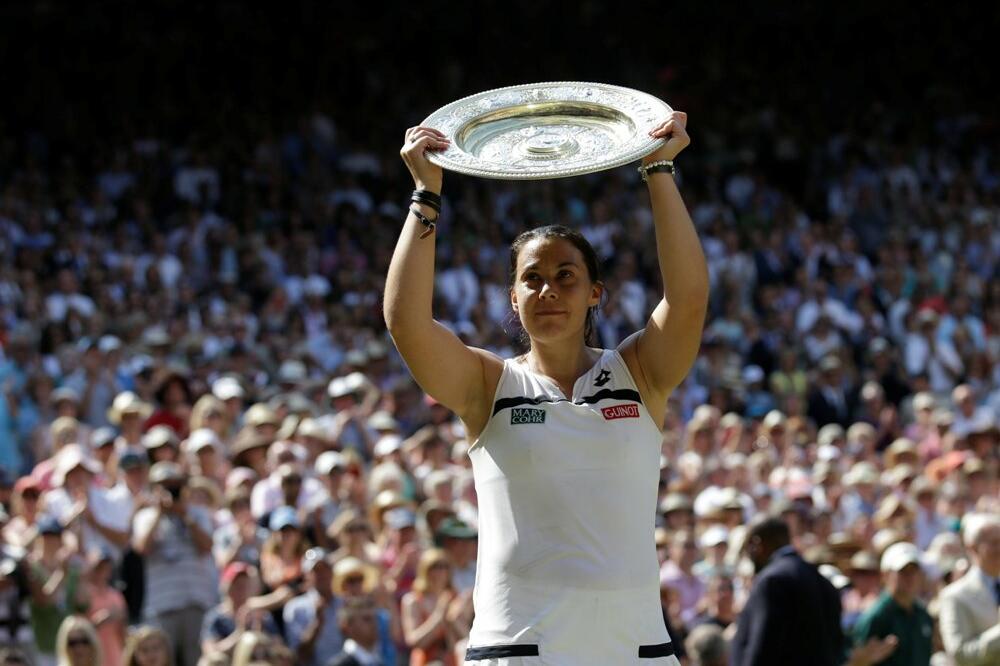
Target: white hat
pixel 108 343
pixel 827 452
pixel 328 461
pixel 382 420
pixel 292 371
pixel 341 386
pixel 226 388
pixel 774 418
pixel 72 456
pixel 923 400
pixel 899 555
pixel 714 535
pixel 387 444
pixel 830 433
pixel 200 439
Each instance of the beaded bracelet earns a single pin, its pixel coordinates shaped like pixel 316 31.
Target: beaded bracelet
pixel 660 166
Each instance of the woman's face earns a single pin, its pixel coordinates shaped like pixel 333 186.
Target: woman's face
pixel 152 652
pixel 552 290
pixel 80 649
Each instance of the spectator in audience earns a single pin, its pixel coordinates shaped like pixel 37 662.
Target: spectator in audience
pixel 426 612
pixel 357 622
pixel 706 646
pixel 311 627
pixel 106 608
pixel 224 625
pixel 175 539
pixel 148 646
pixel 970 626
pixel 77 643
pixel 898 611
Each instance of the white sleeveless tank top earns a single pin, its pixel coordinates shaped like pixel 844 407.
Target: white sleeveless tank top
pixel 567 489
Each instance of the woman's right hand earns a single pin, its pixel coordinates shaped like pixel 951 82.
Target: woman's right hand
pixel 418 140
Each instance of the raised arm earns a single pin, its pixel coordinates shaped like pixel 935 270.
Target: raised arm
pixel 666 348
pixel 454 374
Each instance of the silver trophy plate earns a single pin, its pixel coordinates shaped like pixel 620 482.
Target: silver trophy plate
pixel 547 130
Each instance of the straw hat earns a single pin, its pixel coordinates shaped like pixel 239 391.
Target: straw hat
pixel 352 566
pixel 128 402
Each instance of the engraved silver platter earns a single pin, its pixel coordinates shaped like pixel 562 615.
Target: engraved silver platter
pixel 547 130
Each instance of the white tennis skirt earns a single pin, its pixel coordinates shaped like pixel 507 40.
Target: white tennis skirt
pixel 560 626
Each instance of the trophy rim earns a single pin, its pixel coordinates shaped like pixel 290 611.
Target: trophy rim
pixel 480 168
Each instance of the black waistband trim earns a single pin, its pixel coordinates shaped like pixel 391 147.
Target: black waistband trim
pixel 604 394
pixel 654 651
pixel 500 651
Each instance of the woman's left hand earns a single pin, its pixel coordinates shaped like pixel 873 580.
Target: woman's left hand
pixel 673 129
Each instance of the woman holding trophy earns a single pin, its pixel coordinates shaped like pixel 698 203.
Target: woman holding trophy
pixel 566 437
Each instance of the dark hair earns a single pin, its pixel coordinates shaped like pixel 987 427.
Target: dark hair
pixel 590 260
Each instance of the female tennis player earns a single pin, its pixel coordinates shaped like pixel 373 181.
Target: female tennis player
pixel 567 436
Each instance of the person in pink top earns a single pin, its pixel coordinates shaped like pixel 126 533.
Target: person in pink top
pixel 106 607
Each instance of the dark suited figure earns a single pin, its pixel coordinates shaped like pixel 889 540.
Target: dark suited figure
pixel 793 613
pixel 360 630
pixel 828 402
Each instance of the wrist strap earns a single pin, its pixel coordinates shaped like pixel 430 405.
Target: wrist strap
pixel 424 220
pixel 428 198
pixel 660 166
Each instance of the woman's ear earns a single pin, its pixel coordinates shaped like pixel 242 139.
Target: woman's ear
pixel 513 299
pixel 596 291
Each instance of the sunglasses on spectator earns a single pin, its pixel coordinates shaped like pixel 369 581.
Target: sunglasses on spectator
pixel 354 580
pixel 78 641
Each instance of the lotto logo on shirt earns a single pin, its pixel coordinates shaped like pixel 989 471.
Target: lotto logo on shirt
pixel 621 412
pixel 519 416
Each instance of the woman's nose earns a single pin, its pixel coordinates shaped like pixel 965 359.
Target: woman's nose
pixel 547 291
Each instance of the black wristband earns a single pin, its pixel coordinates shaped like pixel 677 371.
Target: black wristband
pixel 427 198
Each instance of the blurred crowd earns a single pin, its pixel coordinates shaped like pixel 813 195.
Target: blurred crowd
pixel 210 452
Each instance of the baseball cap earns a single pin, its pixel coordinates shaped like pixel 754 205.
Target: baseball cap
pixel 314 556
pixel 232 570
pixel 202 438
pixel 226 388
pixel 453 528
pixel 899 555
pixel 102 437
pixel 131 460
pixel 49 525
pixel 328 461
pixel 165 471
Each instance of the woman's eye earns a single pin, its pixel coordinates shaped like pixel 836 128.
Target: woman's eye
pixel 563 274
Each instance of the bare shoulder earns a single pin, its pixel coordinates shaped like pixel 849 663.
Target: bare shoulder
pixel 480 406
pixel 655 401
